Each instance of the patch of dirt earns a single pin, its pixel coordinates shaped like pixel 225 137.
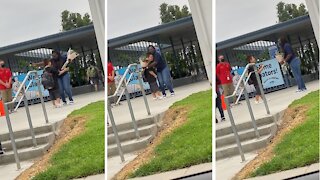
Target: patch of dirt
pixel 71 127
pixel 172 119
pixel 292 118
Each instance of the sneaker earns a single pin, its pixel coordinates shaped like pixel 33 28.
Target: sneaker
pixel 160 97
pixel 305 89
pixel 223 119
pixel 172 94
pixel 164 95
pixel 299 90
pixel 71 102
pixel 64 103
pixel 1 152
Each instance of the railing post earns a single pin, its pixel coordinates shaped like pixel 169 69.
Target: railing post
pixel 13 141
pixel 41 97
pixel 143 91
pixel 131 112
pixel 261 89
pixel 234 129
pixel 26 105
pixel 115 131
pixel 250 110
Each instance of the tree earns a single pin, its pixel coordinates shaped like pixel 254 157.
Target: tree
pixel 169 13
pixel 74 20
pixel 290 11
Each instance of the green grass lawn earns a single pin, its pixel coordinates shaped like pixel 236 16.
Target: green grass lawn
pixel 83 155
pixel 187 145
pixel 300 147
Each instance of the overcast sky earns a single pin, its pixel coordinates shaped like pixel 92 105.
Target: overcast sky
pixel 126 16
pixel 234 17
pixel 22 20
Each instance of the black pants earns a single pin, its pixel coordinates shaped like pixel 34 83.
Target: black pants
pixel 0 146
pixel 219 104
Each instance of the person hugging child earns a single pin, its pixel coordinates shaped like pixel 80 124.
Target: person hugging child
pixel 151 76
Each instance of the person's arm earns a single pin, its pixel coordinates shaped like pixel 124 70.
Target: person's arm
pixel 2 83
pixel 260 68
pixel 287 48
pixel 153 74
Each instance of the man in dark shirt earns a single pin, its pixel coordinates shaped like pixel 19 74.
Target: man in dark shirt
pixel 294 63
pixel 163 72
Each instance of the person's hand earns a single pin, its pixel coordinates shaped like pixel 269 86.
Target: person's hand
pixel 7 85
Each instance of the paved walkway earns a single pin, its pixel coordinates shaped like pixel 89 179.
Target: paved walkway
pixel 19 120
pixel 179 173
pixel 290 173
pixel 122 115
pixel 278 101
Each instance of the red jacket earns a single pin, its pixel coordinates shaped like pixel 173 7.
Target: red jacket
pixel 5 76
pixel 110 69
pixel 223 72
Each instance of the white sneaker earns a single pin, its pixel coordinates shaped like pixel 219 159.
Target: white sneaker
pixel 71 102
pixel 172 94
pixel 160 97
pixel 299 90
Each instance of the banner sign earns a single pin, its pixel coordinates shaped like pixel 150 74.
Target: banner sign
pixel 32 92
pixel 133 85
pixel 271 74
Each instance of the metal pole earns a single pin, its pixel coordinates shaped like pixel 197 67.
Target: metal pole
pixel 143 92
pixel 41 98
pixel 115 131
pixel 131 112
pixel 250 110
pixel 262 91
pixel 234 129
pixel 26 105
pixel 13 141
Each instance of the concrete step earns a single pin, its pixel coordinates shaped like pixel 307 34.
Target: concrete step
pixel 129 125
pixel 247 146
pixel 244 126
pixel 130 146
pixel 25 133
pixel 27 141
pixel 24 154
pixel 130 134
pixel 244 135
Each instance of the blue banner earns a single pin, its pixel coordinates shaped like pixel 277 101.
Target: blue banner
pixel 133 85
pixel 271 74
pixel 32 92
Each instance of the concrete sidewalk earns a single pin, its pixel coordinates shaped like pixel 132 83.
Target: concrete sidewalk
pixel 179 173
pixel 19 120
pixel 122 115
pixel 290 173
pixel 278 101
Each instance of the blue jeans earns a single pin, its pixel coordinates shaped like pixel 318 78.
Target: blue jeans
pixel 286 80
pixel 65 87
pixel 295 67
pixel 164 79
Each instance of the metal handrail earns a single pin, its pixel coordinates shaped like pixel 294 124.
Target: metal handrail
pixel 233 126
pixel 246 82
pixel 22 89
pixel 110 114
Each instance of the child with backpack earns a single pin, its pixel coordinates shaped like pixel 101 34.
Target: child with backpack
pixel 151 77
pixel 49 81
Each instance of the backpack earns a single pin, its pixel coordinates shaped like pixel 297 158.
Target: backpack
pixel 92 72
pixel 47 80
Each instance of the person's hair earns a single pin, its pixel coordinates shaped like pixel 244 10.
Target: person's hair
pixel 148 54
pixel 46 62
pixel 152 47
pixel 249 57
pixel 283 40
